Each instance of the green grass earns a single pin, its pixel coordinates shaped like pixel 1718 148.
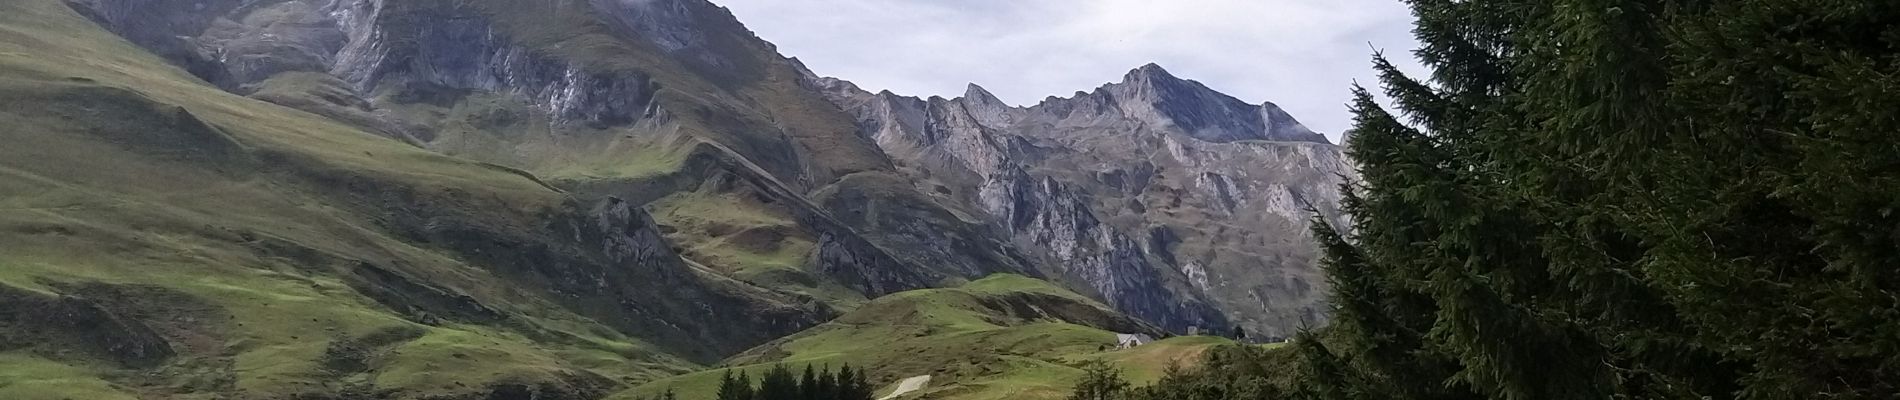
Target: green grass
pixel 972 349
pixel 738 236
pixel 283 324
pixel 450 361
pixel 28 377
pixel 730 210
pixel 106 179
pixel 632 160
pixel 1147 363
pixel 999 284
pixel 1022 378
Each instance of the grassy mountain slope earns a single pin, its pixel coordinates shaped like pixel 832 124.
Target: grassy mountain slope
pixel 1005 336
pixel 717 103
pixel 166 239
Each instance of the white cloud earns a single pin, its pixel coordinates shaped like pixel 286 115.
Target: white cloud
pixel 1300 54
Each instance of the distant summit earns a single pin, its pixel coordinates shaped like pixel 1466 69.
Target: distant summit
pixel 1119 187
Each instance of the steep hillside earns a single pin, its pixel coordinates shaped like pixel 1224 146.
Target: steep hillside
pixel 167 239
pixel 638 100
pixel 1002 337
pixel 1177 203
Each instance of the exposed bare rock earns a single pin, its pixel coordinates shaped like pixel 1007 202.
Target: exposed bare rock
pixel 1175 202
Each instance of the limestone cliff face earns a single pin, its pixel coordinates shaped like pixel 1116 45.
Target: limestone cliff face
pixel 370 44
pixel 1177 203
pixel 459 48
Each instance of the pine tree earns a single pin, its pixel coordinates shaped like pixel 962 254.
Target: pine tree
pixel 747 389
pixel 1448 281
pixel 1100 381
pixel 735 387
pixel 854 384
pixel 847 382
pixel 1380 323
pixel 1774 229
pixel 808 384
pixel 779 384
pixel 726 382
pixel 1446 230
pixel 827 384
pixel 1633 198
pixel 1326 376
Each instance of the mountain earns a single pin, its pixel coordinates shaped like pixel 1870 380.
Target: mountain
pixel 638 100
pixel 568 198
pixel 1177 203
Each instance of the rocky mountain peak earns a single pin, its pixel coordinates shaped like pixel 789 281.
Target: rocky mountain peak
pixel 1150 73
pixel 1161 100
pixel 986 108
pixel 1148 95
pixel 978 94
pixel 1150 84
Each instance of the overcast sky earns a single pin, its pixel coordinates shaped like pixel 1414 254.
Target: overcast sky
pixel 1300 54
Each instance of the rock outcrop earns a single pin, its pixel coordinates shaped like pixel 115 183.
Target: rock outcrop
pixel 1175 202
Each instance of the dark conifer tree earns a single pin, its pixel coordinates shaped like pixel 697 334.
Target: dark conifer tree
pixel 1379 325
pixel 1767 194
pixel 779 384
pixel 726 382
pixel 669 394
pixel 735 387
pixel 1326 376
pixel 1629 198
pixel 1100 381
pixel 827 384
pixel 847 379
pixel 808 384
pixel 854 384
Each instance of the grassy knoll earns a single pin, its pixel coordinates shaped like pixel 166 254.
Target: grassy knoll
pixel 28 377
pixel 1001 337
pixel 746 239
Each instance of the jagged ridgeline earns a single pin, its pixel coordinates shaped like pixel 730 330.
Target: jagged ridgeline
pixel 569 199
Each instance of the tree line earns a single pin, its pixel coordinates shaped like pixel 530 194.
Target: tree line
pixel 779 383
pixel 1617 199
